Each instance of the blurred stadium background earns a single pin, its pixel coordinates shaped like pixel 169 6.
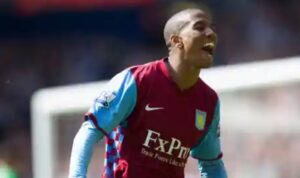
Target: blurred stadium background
pixel 51 43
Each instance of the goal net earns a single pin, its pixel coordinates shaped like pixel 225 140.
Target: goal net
pixel 260 123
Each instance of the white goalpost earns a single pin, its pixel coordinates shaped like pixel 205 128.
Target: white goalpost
pixel 260 102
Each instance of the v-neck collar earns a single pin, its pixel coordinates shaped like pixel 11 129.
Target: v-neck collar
pixel 162 64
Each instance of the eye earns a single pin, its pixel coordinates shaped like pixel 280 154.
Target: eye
pixel 199 26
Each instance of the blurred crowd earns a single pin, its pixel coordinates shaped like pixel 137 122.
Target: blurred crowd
pixel 60 48
pixel 262 156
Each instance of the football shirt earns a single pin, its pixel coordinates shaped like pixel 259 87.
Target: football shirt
pixel 152 126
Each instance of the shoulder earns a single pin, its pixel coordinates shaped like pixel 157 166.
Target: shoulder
pixel 209 92
pixel 209 89
pixel 144 71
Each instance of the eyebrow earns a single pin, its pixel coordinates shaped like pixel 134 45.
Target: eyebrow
pixel 200 22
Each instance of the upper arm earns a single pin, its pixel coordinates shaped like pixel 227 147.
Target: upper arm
pixel 115 103
pixel 209 148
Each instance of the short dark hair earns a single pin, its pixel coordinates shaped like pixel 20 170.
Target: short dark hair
pixel 176 23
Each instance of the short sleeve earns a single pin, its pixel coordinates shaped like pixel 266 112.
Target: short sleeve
pixel 115 103
pixel 209 148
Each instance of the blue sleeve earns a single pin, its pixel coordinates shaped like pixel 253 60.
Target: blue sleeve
pixel 212 169
pixel 208 150
pixel 115 103
pixel 82 149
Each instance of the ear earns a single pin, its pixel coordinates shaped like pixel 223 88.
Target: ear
pixel 176 41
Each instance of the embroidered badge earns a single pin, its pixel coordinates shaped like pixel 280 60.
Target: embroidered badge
pixel 200 119
pixel 106 98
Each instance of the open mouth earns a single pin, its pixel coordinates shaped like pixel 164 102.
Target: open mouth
pixel 209 48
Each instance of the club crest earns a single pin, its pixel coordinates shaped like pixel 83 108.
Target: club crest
pixel 200 119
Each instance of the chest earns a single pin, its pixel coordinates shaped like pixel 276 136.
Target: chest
pixel 172 115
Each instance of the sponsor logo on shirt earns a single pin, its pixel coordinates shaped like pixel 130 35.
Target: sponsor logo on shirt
pixel 200 119
pixel 172 147
pixel 106 97
pixel 148 108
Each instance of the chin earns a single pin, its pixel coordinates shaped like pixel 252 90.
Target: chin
pixel 208 65
pixel 203 65
pixel 206 62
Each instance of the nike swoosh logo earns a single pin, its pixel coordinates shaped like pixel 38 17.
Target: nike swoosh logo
pixel 148 108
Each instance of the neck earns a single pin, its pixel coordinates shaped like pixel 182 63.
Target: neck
pixel 184 75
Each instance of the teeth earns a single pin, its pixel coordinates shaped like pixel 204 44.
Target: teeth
pixel 209 45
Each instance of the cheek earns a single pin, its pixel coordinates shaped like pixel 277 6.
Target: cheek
pixel 187 41
pixel 190 45
pixel 194 42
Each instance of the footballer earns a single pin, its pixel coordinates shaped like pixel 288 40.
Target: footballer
pixel 154 116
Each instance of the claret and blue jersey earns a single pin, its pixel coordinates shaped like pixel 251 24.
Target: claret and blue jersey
pixel 151 126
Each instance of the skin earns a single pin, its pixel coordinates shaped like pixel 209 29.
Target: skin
pixel 185 34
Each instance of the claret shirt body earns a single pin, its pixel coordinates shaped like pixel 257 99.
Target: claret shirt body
pixel 151 126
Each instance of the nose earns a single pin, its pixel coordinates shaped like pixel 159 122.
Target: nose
pixel 210 33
